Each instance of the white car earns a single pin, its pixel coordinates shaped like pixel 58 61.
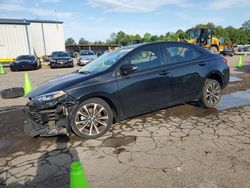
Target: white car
pixel 85 57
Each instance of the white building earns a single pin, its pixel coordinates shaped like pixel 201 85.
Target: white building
pixel 37 37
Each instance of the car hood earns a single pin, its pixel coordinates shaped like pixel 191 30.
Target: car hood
pixel 83 57
pixel 59 83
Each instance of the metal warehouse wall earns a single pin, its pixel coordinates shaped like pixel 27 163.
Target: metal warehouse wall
pixel 54 37
pixel 22 37
pixel 46 38
pixel 13 40
pixel 35 30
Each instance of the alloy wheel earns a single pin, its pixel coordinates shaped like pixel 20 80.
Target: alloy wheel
pixel 213 93
pixel 91 119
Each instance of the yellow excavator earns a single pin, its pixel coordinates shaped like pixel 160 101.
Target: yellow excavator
pixel 203 37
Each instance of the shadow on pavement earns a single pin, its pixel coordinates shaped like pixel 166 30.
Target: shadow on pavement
pixel 53 168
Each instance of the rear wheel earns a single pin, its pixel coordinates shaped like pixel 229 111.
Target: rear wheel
pixel 92 118
pixel 211 93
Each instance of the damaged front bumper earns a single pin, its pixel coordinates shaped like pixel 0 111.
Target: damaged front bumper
pixel 49 118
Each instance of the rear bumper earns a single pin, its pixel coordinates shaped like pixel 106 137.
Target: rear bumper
pixel 49 119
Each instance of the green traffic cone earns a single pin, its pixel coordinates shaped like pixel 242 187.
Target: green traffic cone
pixel 1 69
pixel 239 63
pixel 27 84
pixel 77 177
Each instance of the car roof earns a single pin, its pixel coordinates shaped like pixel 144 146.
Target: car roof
pixel 134 46
pixel 26 56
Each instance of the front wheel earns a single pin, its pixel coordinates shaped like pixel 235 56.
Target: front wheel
pixel 92 118
pixel 211 93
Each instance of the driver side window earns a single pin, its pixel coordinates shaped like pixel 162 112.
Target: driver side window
pixel 146 58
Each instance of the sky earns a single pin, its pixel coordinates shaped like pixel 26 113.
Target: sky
pixel 97 19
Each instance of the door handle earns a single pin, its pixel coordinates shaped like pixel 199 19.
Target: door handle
pixel 163 73
pixel 202 63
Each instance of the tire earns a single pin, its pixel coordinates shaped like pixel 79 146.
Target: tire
pixel 51 66
pixel 214 50
pixel 212 88
pixel 81 119
pixel 12 93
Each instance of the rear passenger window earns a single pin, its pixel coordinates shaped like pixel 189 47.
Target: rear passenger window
pixel 180 53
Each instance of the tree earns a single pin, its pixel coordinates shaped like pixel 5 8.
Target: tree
pixel 69 41
pixel 246 25
pixel 154 38
pixel 83 41
pixel 119 37
pixel 137 39
pixel 113 37
pixel 147 37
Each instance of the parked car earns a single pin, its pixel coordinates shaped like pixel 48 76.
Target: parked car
pixel 228 51
pixel 25 62
pixel 244 49
pixel 85 57
pixel 60 59
pixel 124 83
pixel 46 58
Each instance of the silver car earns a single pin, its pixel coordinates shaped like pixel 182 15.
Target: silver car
pixel 85 57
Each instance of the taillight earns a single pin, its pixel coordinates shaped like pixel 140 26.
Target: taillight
pixel 225 60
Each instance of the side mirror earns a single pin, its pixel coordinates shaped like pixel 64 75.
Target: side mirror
pixel 126 69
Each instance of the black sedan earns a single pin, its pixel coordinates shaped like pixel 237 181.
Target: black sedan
pixel 25 62
pixel 124 83
pixel 60 59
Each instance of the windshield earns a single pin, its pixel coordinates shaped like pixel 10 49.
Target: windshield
pixel 25 57
pixel 60 54
pixel 83 53
pixel 105 61
pixel 194 33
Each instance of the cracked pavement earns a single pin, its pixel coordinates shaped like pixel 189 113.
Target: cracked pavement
pixel 161 149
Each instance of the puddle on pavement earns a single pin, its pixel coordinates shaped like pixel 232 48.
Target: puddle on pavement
pixel 234 79
pixel 236 99
pixel 118 141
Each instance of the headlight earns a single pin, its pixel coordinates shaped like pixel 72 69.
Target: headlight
pixel 51 96
pixel 53 61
